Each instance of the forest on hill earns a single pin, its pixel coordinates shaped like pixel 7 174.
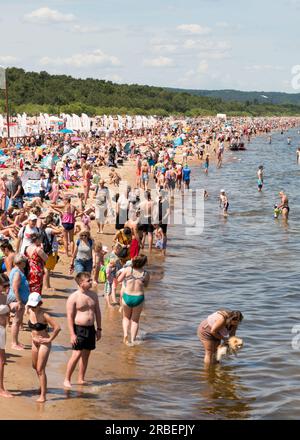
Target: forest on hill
pixel 262 97
pixel 33 92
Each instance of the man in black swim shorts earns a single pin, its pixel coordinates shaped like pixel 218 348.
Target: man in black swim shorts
pixel 83 310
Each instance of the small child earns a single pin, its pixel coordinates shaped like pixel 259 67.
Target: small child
pixel 99 254
pixel 4 313
pixel 161 239
pixel 111 282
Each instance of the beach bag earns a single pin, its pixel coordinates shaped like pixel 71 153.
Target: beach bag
pixel 102 274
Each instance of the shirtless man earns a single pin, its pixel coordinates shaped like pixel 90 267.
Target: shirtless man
pixel 298 156
pixel 284 205
pixel 82 310
pixel 224 202
pixel 260 178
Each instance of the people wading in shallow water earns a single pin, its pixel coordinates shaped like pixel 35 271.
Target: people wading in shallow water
pixel 260 178
pixel 224 202
pixel 134 279
pixel 217 326
pixel 284 205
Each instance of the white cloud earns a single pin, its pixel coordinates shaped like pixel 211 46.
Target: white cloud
pixel 113 77
pixel 77 28
pixel 159 62
pixel 95 58
pixel 170 48
pixel 7 59
pixel 189 44
pixel 202 67
pixel 46 15
pixel 262 67
pixel 194 74
pixel 209 49
pixel 194 29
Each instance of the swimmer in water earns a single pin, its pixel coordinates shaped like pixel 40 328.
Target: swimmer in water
pixel 298 156
pixel 289 140
pixel 284 205
pixel 224 202
pixel 260 177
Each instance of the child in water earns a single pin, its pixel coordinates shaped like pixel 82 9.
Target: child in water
pixel 277 211
pixel 99 254
pixel 111 282
pixel 161 240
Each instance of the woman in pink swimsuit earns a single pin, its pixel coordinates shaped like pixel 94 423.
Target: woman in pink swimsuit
pixel 68 214
pixel 217 326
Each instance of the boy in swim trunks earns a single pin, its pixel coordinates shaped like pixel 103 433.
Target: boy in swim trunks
pixel 224 202
pixel 4 311
pixel 83 310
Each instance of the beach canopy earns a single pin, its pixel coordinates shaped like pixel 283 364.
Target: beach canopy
pixel 66 130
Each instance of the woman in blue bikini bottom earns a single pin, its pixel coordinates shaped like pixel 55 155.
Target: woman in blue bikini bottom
pixel 134 279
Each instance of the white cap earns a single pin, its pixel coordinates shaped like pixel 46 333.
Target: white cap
pixel 222 191
pixel 33 299
pixel 32 217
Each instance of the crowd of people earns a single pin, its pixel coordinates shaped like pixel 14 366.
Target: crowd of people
pixel 68 219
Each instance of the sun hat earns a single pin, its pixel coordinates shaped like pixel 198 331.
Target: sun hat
pixel 32 217
pixel 34 299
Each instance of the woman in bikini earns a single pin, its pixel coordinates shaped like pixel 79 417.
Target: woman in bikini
pixel 217 326
pixel 284 205
pixel 145 175
pixel 68 218
pixel 39 321
pixel 134 279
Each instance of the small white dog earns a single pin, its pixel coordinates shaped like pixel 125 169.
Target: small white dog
pixel 231 347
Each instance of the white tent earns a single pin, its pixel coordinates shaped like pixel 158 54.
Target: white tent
pixel 86 124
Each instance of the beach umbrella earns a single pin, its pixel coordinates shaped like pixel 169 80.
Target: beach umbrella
pixel 66 131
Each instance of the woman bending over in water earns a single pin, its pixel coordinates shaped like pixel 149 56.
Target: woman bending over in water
pixel 217 326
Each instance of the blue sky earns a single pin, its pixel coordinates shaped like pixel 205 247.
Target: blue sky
pixel 203 44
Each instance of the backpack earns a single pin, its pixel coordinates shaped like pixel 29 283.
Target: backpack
pixel 47 245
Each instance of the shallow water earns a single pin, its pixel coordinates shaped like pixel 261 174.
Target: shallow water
pixel 248 262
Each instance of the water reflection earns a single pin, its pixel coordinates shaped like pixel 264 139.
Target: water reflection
pixel 224 395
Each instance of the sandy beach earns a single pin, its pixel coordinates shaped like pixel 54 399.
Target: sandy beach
pixel 108 358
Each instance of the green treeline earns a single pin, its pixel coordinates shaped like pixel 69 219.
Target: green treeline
pixel 33 92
